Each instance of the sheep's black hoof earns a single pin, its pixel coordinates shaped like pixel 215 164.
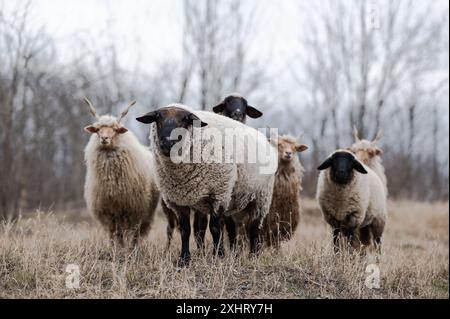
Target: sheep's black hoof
pixel 219 253
pixel 184 261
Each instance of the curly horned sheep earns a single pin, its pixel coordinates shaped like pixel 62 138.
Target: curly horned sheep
pixel 352 199
pixel 284 214
pixel 211 185
pixel 369 153
pixel 120 190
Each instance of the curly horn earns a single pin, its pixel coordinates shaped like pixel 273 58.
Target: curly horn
pixel 378 136
pixel 91 107
pixel 355 134
pixel 125 112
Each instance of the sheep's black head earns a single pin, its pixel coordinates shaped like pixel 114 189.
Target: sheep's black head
pixel 236 107
pixel 342 165
pixel 167 120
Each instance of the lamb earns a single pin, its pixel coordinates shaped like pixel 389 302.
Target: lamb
pixel 369 153
pixel 235 106
pixel 210 185
pixel 120 190
pixel 284 214
pixel 352 199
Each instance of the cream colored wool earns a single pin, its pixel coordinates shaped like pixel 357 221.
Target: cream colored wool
pixel 360 148
pixel 227 186
pixel 360 203
pixel 120 190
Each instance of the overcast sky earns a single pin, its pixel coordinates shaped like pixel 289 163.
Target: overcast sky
pixel 157 24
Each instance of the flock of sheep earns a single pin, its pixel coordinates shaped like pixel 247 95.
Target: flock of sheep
pixel 126 180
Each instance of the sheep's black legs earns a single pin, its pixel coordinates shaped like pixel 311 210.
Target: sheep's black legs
pixel 171 221
pixel 365 236
pixel 185 229
pixel 336 239
pixel 200 225
pixel 216 228
pixel 255 240
pixel 377 231
pixel 231 230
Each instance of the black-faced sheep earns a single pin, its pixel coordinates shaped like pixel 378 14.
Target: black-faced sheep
pixel 120 190
pixel 233 183
pixel 352 199
pixel 235 106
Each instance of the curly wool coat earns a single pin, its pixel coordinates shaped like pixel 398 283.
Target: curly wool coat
pixel 285 210
pixel 228 186
pixel 120 190
pixel 360 204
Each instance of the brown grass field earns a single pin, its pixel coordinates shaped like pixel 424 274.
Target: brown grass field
pixel 35 251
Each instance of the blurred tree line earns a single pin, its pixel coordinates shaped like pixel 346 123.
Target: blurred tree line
pixel 375 68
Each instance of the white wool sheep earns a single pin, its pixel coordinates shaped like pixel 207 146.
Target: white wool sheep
pixel 212 187
pixel 369 153
pixel 120 190
pixel 352 199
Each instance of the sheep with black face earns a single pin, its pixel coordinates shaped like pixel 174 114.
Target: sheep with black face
pixel 236 107
pixel 352 199
pixel 211 188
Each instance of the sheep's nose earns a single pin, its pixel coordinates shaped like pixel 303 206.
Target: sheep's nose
pixel 237 113
pixel 167 142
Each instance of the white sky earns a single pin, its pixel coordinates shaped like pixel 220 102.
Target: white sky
pixel 157 25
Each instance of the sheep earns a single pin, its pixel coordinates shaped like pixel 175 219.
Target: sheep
pixel 369 153
pixel 284 214
pixel 215 188
pixel 200 225
pixel 352 199
pixel 120 190
pixel 235 106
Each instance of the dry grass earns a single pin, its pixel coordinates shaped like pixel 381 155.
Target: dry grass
pixel 34 254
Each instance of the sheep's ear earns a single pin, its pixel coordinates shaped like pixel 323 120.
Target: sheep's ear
pixel 325 164
pixel 301 147
pixel 359 167
pixel 378 151
pixel 219 108
pixel 121 130
pixel 253 113
pixel 194 118
pixel 91 129
pixel 149 117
